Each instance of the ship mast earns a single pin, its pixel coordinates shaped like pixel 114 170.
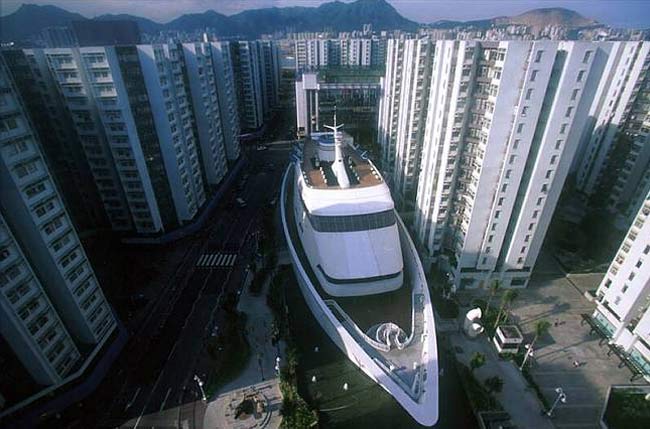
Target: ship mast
pixel 338 167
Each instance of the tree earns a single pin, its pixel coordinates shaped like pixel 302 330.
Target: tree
pixel 541 328
pixel 493 384
pixel 506 300
pixel 477 361
pixel 494 287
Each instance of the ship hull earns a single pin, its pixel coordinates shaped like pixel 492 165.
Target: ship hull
pixel 424 413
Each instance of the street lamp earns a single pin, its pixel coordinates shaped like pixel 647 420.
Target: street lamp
pixel 561 397
pixel 529 353
pixel 200 383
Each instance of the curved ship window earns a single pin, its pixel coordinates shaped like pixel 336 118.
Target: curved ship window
pixel 352 223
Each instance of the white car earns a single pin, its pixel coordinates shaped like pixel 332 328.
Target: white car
pixel 261 147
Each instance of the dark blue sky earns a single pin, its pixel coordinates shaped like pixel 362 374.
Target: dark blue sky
pixel 619 13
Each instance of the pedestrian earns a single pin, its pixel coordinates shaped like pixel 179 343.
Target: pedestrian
pixel 557 322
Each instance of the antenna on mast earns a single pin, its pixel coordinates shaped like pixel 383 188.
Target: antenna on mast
pixel 337 166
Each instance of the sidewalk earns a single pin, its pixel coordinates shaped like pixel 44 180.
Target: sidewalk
pixel 515 397
pixel 259 378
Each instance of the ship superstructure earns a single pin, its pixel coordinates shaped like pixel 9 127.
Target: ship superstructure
pixel 359 270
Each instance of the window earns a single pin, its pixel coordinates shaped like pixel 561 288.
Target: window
pixel 523 250
pixel 585 59
pixel 520 128
pixel 515 144
pixel 490 238
pixel 539 201
pixel 549 173
pixel 569 110
pixel 8 124
pixel 524 111
pixel 25 169
pixel 531 226
pixel 500 203
pixel 646 250
pixel 363 222
pixel 494 227
pixel 508 172
pixel 34 190
pixel 574 94
pixel 533 75
pixel 488 249
pixel 497 214
pixel 558 144
pixel 529 93
pixel 545 188
pixel 553 159
pixel 512 159
pixel 624 289
pixel 535 213
pixel 581 74
pixel 607 283
pixel 527 239
pixel 617 300
pixel 520 260
pixel 631 276
pixel 638 263
pixel 563 128
pixel 504 187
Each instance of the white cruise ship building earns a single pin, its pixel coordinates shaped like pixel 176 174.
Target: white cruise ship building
pixel 359 270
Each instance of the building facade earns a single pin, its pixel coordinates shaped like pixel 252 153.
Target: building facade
pixel 504 123
pixel 149 129
pixel 54 314
pixel 402 114
pixel 314 54
pixel 623 297
pixel 353 95
pixel 621 94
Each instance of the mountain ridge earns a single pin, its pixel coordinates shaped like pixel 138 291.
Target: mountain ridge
pixel 29 20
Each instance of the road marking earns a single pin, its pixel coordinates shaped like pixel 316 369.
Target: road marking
pixel 220 259
pixel 165 400
pixel 132 399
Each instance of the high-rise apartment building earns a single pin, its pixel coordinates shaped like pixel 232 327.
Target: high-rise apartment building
pixel 256 71
pixel 623 297
pixel 61 146
pixel 504 122
pixel 621 105
pixel 313 54
pixel 205 98
pixel 402 114
pixel 225 79
pixel 148 127
pixel 54 314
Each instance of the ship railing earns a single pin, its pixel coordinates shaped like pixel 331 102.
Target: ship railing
pixel 333 305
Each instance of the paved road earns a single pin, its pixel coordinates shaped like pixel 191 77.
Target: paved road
pixel 158 390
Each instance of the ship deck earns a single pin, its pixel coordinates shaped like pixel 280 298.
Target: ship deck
pixel 319 174
pixel 359 315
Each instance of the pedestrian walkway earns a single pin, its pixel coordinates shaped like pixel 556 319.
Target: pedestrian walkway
pixel 216 260
pixel 516 397
pixel 260 378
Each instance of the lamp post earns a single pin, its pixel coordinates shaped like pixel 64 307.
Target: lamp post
pixel 561 397
pixel 529 353
pixel 200 383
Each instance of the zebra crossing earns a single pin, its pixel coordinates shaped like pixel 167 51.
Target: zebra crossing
pixel 214 260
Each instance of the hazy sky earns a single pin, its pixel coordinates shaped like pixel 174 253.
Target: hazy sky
pixel 624 13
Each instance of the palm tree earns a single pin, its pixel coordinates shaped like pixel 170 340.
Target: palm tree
pixel 506 300
pixel 494 287
pixel 477 361
pixel 541 328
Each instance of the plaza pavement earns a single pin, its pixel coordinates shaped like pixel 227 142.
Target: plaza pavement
pixel 557 297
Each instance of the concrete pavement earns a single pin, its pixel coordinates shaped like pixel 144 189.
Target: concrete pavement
pixel 259 377
pixel 515 397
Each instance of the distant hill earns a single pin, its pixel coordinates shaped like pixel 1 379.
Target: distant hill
pixel 536 18
pixel 30 20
